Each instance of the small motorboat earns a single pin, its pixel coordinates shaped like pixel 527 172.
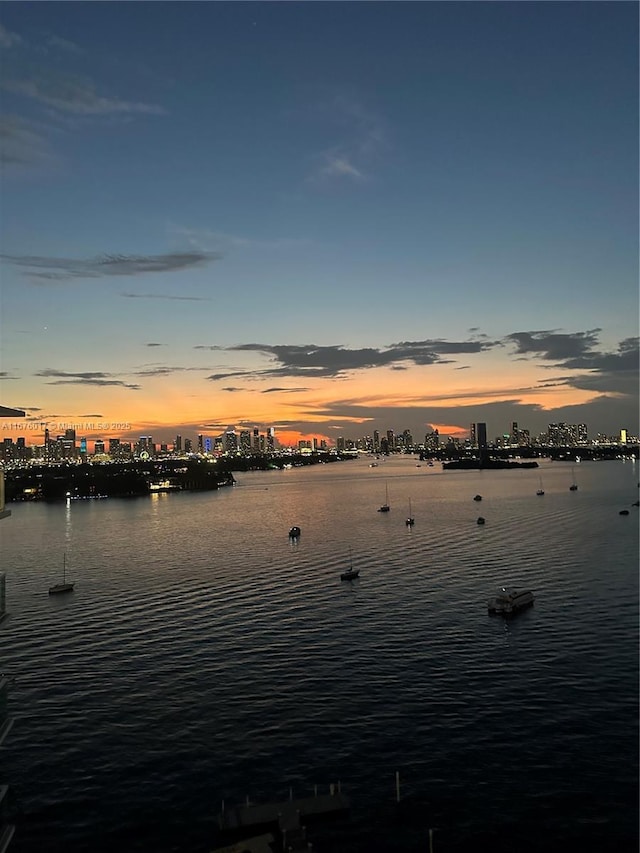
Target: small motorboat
pixel 480 520
pixel 478 498
pixel 509 601
pixel 294 533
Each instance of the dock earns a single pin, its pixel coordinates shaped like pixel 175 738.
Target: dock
pixel 287 819
pixel 257 844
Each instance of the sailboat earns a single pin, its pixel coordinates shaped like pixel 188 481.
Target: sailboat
pixel 385 506
pixel 64 586
pixel 351 574
pixel 574 486
pixel 410 519
pixel 540 490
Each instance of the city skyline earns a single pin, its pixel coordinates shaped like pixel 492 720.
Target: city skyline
pixel 323 218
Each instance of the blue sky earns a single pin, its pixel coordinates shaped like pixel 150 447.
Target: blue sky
pixel 229 213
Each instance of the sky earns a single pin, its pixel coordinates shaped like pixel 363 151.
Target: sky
pixel 328 218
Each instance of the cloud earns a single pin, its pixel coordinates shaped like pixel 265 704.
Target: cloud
pixel 92 415
pixel 64 44
pixel 165 370
pixel 8 39
pixel 207 240
pixel 5 375
pixel 610 372
pixel 61 377
pixel 231 389
pixel 74 94
pixel 283 390
pixel 359 136
pixel 165 296
pixel 337 164
pixel 21 144
pixel 154 344
pixel 311 360
pixel 65 269
pixel 552 345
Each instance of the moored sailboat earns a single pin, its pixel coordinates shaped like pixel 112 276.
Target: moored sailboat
pixel 410 519
pixel 385 506
pixel 64 586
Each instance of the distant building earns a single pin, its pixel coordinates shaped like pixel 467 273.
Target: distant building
pixel 483 450
pixel 245 441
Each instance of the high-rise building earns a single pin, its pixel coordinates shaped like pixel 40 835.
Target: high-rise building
pixel 200 443
pixel 473 440
pixel 230 441
pixel 271 439
pixel 481 432
pixel 177 444
pixel 188 445
pixel 255 441
pixel 376 440
pixel 515 433
pixel 98 446
pixel 245 441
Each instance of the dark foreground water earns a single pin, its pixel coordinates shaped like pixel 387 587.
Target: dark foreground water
pixel 204 656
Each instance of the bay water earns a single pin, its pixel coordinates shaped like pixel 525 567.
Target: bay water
pixel 204 655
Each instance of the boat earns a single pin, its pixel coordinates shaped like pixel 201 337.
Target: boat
pixel 351 574
pixel 385 506
pixel 574 486
pixel 478 498
pixel 56 589
pixel 294 533
pixel 624 512
pixel 509 601
pixel 480 520
pixel 540 490
pixel 410 519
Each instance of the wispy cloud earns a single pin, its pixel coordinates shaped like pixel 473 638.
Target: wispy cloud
pixel 207 239
pixel 65 269
pixel 163 370
pixel 21 143
pixel 165 296
pixel 360 136
pixel 153 344
pixel 74 94
pixel 337 164
pixel 8 39
pixel 62 377
pixel 283 390
pixel 64 44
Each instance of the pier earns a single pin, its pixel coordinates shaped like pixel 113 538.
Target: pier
pixel 287 820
